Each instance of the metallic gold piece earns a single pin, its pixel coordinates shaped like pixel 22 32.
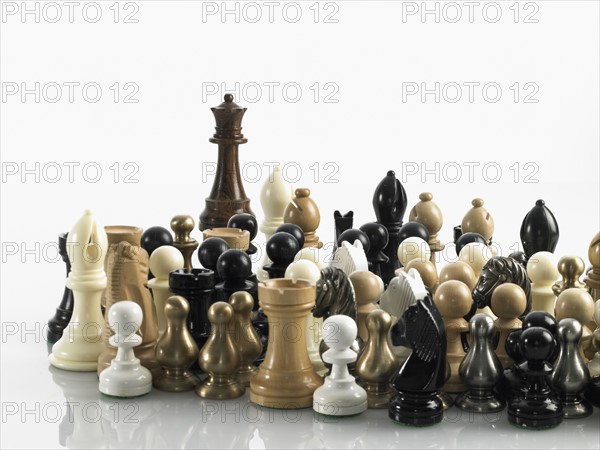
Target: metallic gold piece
pixel 182 226
pixel 244 335
pixel 571 268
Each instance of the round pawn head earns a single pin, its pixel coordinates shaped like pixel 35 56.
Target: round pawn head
pixel 155 237
pixel 508 301
pixel 182 225
pixel 413 248
pixel 368 287
pixel 453 299
pixel 413 229
pixel 303 269
pixel 339 331
pixel 220 312
pixel 459 271
pixel 468 238
pixel 234 265
pixel 125 318
pixel 352 235
pixel 511 345
pixel 536 344
pixel 241 302
pixel 244 221
pixel 542 268
pixel 540 319
pixel 210 250
pixel 571 267
pixel 476 255
pixel 427 271
pixel 377 234
pixel 569 331
pixel 311 254
pixel 165 260
pixel 576 304
pixel 294 230
pixel 482 326
pixel 597 314
pixel 177 308
pixel 378 321
pixel 520 257
pixel 594 251
pixel 282 247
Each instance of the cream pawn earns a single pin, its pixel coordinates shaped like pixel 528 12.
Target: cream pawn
pixel 413 248
pixel 476 255
pixel 542 271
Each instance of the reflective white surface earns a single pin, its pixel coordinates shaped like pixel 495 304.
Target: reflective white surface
pixel 44 407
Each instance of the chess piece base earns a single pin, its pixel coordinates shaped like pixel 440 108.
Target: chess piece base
pixel 577 409
pixel 337 410
pixel 446 399
pixel 378 400
pixel 75 366
pixel 289 395
pixel 220 391
pixel 535 414
pixel 181 382
pixel 125 379
pixel 480 402
pixel 340 398
pixel 243 377
pixel 416 409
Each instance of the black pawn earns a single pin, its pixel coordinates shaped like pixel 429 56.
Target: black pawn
pixel 510 382
pixel 539 230
pixel 281 249
pixel 294 230
pixel 352 235
pixel 468 238
pixel 248 222
pixel 378 238
pixel 413 229
pixel 209 252
pixel 64 311
pixel 533 406
pixel 234 268
pixel 342 222
pixel 155 237
pixel 544 320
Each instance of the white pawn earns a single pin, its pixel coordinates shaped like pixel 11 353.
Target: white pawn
pixel 163 261
pixel 312 254
pixel 413 248
pixel 125 377
pixel 339 395
pixel 594 364
pixel 476 255
pixel 543 273
pixel 350 258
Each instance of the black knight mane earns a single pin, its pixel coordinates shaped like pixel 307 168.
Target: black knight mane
pixel 335 294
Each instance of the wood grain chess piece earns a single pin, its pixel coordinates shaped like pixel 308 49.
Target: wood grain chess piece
pixel 427 271
pixel 244 335
pixel 227 196
pixel 429 214
pixel 127 271
pixel 236 238
pixel 182 226
pixel 219 357
pixel 286 379
pixel 304 212
pixel 478 220
pixel 508 304
pixel 592 278
pixel 368 287
pixel 542 271
pixel 460 271
pixel 377 363
pixel 576 303
pixel 64 311
pixel 453 301
pixel 176 350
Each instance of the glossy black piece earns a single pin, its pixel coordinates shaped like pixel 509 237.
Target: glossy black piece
pixel 209 252
pixel 510 382
pixel 468 238
pixel 592 393
pixel 282 247
pixel 197 287
pixel 413 229
pixel 155 237
pixel 389 204
pixel 378 238
pixel 64 311
pixel 294 230
pixel 342 223
pixel 544 320
pixel 533 405
pixel 234 268
pixel 457 232
pixel 539 230
pixel 520 257
pixel 352 235
pixel 248 222
pixel 416 401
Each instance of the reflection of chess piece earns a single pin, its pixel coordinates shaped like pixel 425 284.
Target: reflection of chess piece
pixel 541 268
pixel 182 226
pixel 429 214
pixel 592 278
pixel 304 212
pixel 570 268
pixel 61 318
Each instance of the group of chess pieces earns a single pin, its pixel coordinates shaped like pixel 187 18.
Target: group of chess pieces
pixel 377 326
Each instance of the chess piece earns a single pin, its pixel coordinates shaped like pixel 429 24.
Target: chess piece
pixel 368 287
pixel 413 229
pixel 592 278
pixel 377 363
pixel 570 268
pixel 460 271
pixel 339 395
pixel 209 252
pixel 176 350
pixel 282 247
pixel 125 377
pixel 227 196
pixel 311 254
pixel 127 270
pixel 413 248
pixel 304 212
pixel 295 231
pixel 478 220
pixel 197 287
pixel 570 375
pixel 416 401
pixel 533 406
pixel 286 379
pixel 577 304
pixel 350 257
pixel 594 364
pixel 378 238
pixel 429 214
pixel 389 203
pixel 481 369
pixel 508 304
pixel 234 237
pixel 539 230
pixel 64 311
pixel 246 222
pixel 542 271
pixel 520 257
pixel 163 261
pixel 427 271
pixel 245 338
pixel 182 226
pixel 468 238
pixel 476 255
pixel 352 235
pixel 453 301
pixel 155 237
pixel 79 347
pixel 342 223
pixel 234 268
pixel 510 382
pixel 219 357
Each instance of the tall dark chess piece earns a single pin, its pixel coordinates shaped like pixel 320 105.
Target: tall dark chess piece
pixel 248 222
pixel 343 222
pixel 423 374
pixel 64 311
pixel 389 203
pixel 539 230
pixel 227 196
pixel 378 239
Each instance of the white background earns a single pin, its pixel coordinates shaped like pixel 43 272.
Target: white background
pixel 365 56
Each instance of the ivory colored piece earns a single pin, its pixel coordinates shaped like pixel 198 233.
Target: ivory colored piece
pixel 350 258
pixel 413 248
pixel 429 214
pixel 508 304
pixel 286 379
pixel 478 220
pixel 127 271
pixel 368 287
pixel 339 395
pixel 575 303
pixel 594 364
pixel 377 362
pixel 176 350
pixel 219 357
pixel 80 345
pixel 182 226
pixel 163 261
pixel 235 237
pixel 453 301
pixel 427 271
pixel 312 254
pixel 304 212
pixel 459 271
pixel 570 268
pixel 542 271
pixel 476 255
pixel 245 337
pixel 592 278
pixel 125 377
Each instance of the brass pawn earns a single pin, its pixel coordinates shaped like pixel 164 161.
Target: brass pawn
pixel 219 357
pixel 571 269
pixel 182 226
pixel 245 337
pixel 176 350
